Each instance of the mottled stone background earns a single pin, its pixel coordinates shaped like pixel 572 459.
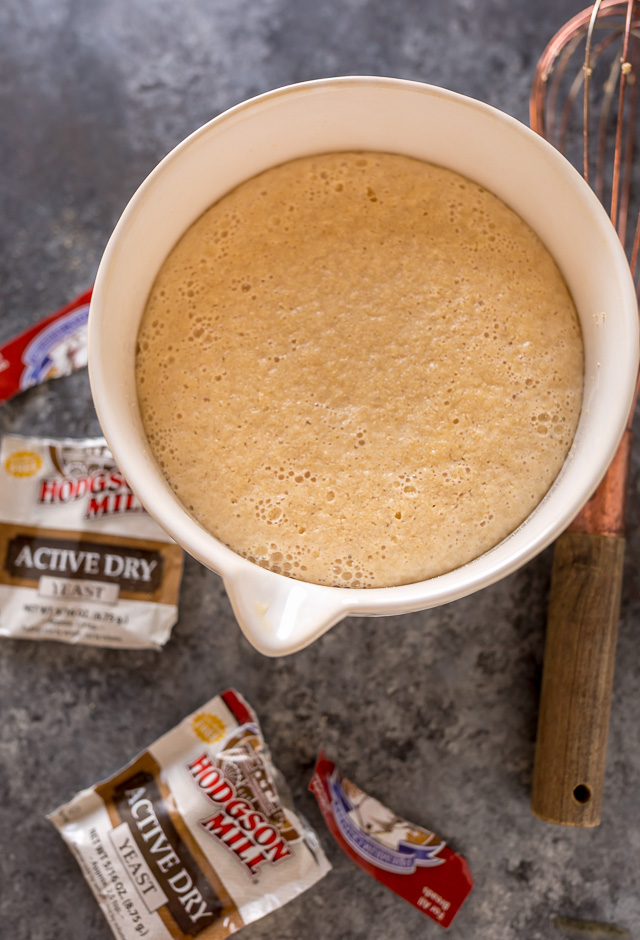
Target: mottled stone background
pixel 433 712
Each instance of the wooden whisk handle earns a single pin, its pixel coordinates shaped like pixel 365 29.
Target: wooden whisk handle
pixel 577 680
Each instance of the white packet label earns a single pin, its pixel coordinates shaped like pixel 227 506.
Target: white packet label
pixel 82 562
pixel 193 838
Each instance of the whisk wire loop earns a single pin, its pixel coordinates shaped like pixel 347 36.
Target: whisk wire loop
pixel 596 57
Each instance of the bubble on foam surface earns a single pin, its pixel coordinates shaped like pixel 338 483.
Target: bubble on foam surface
pixel 381 391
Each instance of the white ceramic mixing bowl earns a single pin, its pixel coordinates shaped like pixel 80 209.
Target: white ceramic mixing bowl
pixel 279 614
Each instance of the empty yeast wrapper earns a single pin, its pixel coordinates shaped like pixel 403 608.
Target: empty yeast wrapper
pixel 412 861
pixel 53 347
pixel 80 559
pixel 193 838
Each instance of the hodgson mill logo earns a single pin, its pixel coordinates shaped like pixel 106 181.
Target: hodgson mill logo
pixel 91 473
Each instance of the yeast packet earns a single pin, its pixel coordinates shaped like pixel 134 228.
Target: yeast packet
pixel 197 836
pixel 53 347
pixel 80 559
pixel 412 861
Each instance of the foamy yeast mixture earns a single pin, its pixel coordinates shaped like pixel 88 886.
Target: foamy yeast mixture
pixel 359 369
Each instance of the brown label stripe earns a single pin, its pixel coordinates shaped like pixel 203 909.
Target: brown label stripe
pixel 144 570
pixel 143 780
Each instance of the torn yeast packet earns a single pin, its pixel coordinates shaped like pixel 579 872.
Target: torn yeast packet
pixel 54 347
pixel 408 859
pixel 81 560
pixel 193 838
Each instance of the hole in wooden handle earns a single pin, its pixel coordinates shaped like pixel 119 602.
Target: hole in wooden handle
pixel 582 793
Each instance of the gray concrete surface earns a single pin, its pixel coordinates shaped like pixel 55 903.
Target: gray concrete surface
pixel 435 712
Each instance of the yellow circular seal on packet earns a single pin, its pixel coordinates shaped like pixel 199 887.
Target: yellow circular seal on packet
pixel 23 463
pixel 208 727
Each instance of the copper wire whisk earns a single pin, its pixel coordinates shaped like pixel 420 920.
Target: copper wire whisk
pixel 558 87
pixel 584 102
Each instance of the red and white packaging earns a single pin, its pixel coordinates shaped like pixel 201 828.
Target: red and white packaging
pixel 410 860
pixel 54 347
pixel 195 837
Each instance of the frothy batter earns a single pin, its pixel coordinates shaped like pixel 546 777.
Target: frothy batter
pixel 359 369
